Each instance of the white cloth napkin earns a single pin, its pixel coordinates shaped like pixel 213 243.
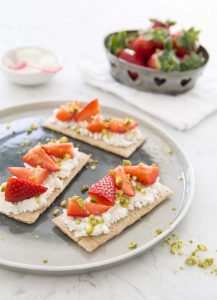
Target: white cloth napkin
pixel 181 112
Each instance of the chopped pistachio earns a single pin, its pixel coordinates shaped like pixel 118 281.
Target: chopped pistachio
pixel 173 209
pixel 124 202
pixel 112 172
pixel 66 156
pixel 127 121
pixel 45 261
pixel 92 200
pixel 143 191
pixel 93 168
pixel 120 193
pixel 191 242
pixel 100 221
pixel 84 188
pixel 34 127
pixel 132 245
pixel 47 140
pixel 159 231
pixel 138 187
pixel 118 180
pixel 201 247
pixel 134 178
pixel 127 162
pixel 205 263
pixel 190 261
pixel 91 217
pixel 89 230
pixel 93 222
pixel 75 197
pixel 77 221
pixel 181 268
pixel 3 187
pixel 63 203
pixel 80 202
pixel 55 212
pixel 107 120
pixel 180 252
pixel 53 141
pixel 63 139
pixel 169 150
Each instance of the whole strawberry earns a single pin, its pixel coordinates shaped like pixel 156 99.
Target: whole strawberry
pixel 160 24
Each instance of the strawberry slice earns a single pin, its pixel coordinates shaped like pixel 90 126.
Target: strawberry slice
pixel 103 191
pixel 144 48
pixel 35 175
pixel 130 56
pixel 121 126
pixel 145 174
pixel 88 111
pixel 97 126
pixel 18 189
pixel 75 209
pixel 68 111
pixel 38 157
pixel 95 208
pixel 59 150
pixel 122 182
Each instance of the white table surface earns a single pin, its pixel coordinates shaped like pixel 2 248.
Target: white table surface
pixel 75 30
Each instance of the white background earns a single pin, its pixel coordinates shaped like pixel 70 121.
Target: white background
pixel 75 30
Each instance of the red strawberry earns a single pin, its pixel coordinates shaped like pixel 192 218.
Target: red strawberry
pixel 68 111
pixel 35 175
pixel 123 183
pixel 76 209
pixel 121 126
pixel 59 150
pixel 88 111
pixel 154 62
pixel 143 48
pixel 97 125
pixel 18 189
pixel 145 174
pixel 130 56
pixel 159 24
pixel 103 191
pixel 38 157
pixel 95 208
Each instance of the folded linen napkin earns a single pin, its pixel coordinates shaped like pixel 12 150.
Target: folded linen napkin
pixel 181 112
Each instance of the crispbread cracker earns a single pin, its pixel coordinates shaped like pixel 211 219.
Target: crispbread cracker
pixel 122 151
pixel 90 243
pixel 31 217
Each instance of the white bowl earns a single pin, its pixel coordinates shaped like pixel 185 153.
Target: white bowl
pixel 29 75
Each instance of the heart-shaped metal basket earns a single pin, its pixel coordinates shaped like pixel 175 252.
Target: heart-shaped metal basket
pixel 147 79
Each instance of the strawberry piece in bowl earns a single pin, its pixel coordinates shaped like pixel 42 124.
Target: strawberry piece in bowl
pixel 131 56
pixel 36 175
pixel 103 191
pixel 59 150
pixel 38 157
pixel 145 174
pixel 88 111
pixel 18 189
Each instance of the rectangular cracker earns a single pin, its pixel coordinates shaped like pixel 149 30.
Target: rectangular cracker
pixel 90 243
pixel 122 151
pixel 30 217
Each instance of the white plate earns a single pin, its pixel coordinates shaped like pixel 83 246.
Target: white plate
pixel 20 249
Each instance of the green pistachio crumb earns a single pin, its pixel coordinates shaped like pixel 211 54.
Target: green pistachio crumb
pixel 127 121
pixel 169 150
pixel 132 245
pixel 77 221
pixel 127 162
pixel 190 261
pixel 120 193
pixel 74 198
pixel 47 140
pixel 92 200
pixel 118 180
pixel 143 191
pixel 84 188
pixel 134 178
pixel 181 268
pixel 124 202
pixel 63 139
pixel 53 141
pixel 173 209
pixel 159 231
pixel 66 156
pixel 3 187
pixel 100 221
pixel 45 261
pixel 112 172
pixel 89 230
pixel 180 252
pixel 205 263
pixel 55 212
pixel 63 203
pixel 93 168
pixel 34 127
pixel 201 247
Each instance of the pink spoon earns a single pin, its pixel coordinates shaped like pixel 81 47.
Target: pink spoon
pixel 22 65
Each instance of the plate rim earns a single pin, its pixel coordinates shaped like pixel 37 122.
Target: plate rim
pixel 67 270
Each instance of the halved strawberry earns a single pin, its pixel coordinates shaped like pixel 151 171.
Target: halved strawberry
pixel 97 125
pixel 130 56
pixel 121 126
pixel 104 190
pixel 18 189
pixel 122 182
pixel 145 174
pixel 185 41
pixel 88 111
pixel 59 150
pixel 75 209
pixel 38 157
pixel 68 111
pixel 154 61
pixel 36 175
pixel 95 208
pixel 143 47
